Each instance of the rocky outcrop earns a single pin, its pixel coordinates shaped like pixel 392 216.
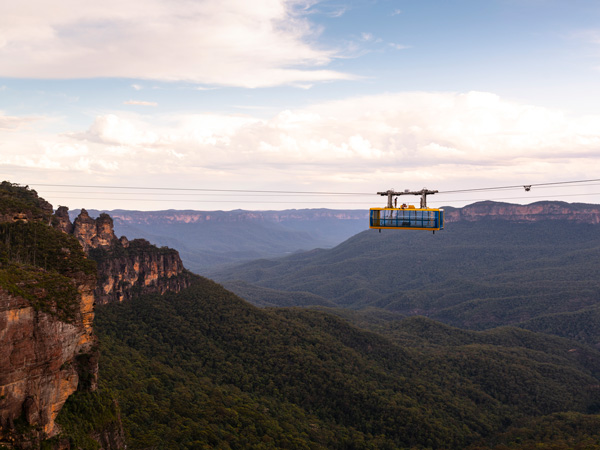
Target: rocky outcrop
pixel 576 212
pixel 125 268
pixel 47 346
pixel 94 233
pixel 142 268
pixel 62 221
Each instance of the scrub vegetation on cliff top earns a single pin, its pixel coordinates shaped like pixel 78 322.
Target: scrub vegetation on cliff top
pixel 17 199
pixel 38 262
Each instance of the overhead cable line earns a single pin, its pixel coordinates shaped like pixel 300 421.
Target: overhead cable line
pixel 249 193
pixel 192 201
pixel 201 189
pixel 237 194
pixel 255 191
pixel 520 186
pixel 304 202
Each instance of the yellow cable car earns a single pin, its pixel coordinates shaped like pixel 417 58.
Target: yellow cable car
pixel 407 217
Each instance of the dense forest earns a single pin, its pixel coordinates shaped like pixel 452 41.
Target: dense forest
pixel 204 369
pixel 473 275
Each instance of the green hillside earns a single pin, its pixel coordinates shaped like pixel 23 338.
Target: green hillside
pixel 204 369
pixel 474 275
pixel 582 325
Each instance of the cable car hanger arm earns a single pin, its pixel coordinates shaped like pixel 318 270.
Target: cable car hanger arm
pixel 423 193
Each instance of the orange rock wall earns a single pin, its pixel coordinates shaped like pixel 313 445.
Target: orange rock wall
pixel 38 361
pixel 580 213
pixel 148 270
pixel 125 267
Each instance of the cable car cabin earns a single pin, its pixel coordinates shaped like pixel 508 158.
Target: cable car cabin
pixel 408 218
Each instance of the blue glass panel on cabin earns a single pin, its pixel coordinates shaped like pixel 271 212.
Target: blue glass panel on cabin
pixel 407 218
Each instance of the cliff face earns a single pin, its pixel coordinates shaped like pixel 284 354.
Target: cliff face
pixel 580 213
pixel 145 270
pixel 41 362
pixel 47 346
pixel 125 268
pixel 48 288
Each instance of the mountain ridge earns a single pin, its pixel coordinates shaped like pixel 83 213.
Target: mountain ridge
pixel 207 240
pixel 477 274
pixel 543 210
pixel 540 210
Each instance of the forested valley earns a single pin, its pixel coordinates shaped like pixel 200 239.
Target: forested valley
pixel 204 369
pixel 484 336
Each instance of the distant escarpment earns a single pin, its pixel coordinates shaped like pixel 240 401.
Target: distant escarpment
pixel 47 346
pixel 534 212
pixel 173 216
pixel 125 268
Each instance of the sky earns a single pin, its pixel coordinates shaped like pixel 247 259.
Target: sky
pixel 280 104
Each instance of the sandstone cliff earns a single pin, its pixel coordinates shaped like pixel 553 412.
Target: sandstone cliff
pixel 42 362
pixel 125 268
pixel 576 212
pixel 47 346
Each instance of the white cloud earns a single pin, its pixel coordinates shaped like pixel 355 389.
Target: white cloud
pixel 215 42
pixel 365 143
pixel 399 46
pixel 338 12
pixel 14 122
pixel 140 103
pixel 366 36
pixel 407 129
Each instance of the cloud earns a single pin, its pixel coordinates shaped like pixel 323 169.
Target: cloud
pixel 215 42
pixel 591 36
pixel 366 36
pixel 338 12
pixel 140 103
pixel 15 123
pixel 432 139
